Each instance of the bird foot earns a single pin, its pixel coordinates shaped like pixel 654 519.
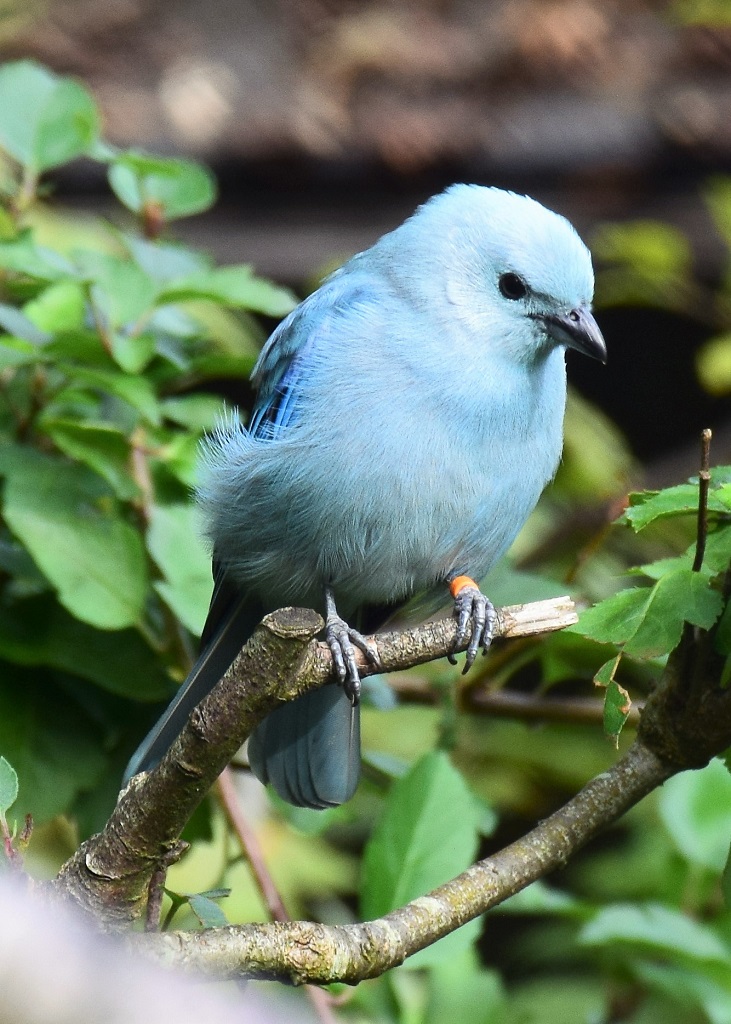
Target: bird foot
pixel 475 616
pixel 342 640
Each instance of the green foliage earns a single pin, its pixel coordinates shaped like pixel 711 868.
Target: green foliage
pixel 712 13
pixel 654 263
pixel 647 622
pixel 696 811
pixel 407 855
pixel 8 787
pixel 202 904
pixel 178 188
pixel 104 358
pixel 44 120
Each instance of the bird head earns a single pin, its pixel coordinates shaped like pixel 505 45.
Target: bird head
pixel 507 262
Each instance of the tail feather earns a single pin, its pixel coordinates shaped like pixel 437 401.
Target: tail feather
pixel 224 641
pixel 309 749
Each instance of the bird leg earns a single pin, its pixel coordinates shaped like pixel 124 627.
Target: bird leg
pixel 341 639
pixel 471 609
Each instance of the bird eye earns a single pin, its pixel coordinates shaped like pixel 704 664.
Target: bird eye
pixel 512 286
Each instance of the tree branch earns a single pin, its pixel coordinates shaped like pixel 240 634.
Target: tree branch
pixel 109 874
pixel 506 703
pixel 300 951
pixel 686 721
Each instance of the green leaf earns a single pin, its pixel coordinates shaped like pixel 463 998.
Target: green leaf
pixel 427 834
pixel 175 543
pixel 133 352
pixel 652 263
pixel 656 929
pixel 233 286
pixel 80 347
pixel 716 557
pixel 688 989
pixel 92 557
pixel 726 879
pixel 196 412
pixel 696 810
pixel 651 247
pixel 59 307
pixel 38 631
pixel 681 596
pixel 101 447
pixel 181 456
pixel 211 365
pixel 463 991
pixel 713 364
pixel 23 256
pixel 8 227
pixel 121 289
pixel 165 261
pixel 179 187
pixel 208 913
pixel 541 898
pixel 19 325
pixel 136 391
pixel 615 619
pixel 596 461
pixel 647 506
pixel 617 705
pixel 8 786
pixel 53 746
pixel 648 621
pixel 44 120
pixel 14 352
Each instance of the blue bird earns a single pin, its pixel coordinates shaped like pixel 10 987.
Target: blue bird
pixel 409 414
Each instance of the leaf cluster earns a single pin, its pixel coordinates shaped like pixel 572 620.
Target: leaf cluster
pixel 109 339
pixel 646 622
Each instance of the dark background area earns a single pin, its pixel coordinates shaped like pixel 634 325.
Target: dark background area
pixel 328 121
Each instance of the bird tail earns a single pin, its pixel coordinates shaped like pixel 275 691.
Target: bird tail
pixel 224 635
pixel 309 749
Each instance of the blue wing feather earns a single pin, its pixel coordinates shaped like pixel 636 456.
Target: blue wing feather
pixel 285 359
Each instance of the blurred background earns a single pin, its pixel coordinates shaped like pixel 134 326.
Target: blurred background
pixel 328 121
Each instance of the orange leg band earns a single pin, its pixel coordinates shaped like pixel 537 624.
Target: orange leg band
pixel 459 583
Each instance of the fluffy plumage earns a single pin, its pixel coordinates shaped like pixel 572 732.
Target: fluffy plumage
pixel 409 414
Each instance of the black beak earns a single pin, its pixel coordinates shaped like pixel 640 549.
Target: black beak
pixel 577 329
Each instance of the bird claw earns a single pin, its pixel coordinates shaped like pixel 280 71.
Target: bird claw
pixel 476 617
pixel 342 640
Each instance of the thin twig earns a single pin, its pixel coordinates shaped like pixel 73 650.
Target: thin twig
pixel 505 703
pixel 704 480
pixel 265 883
pixel 536 707
pixel 250 846
pixel 156 888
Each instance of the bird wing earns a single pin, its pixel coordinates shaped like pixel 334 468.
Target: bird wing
pixel 287 356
